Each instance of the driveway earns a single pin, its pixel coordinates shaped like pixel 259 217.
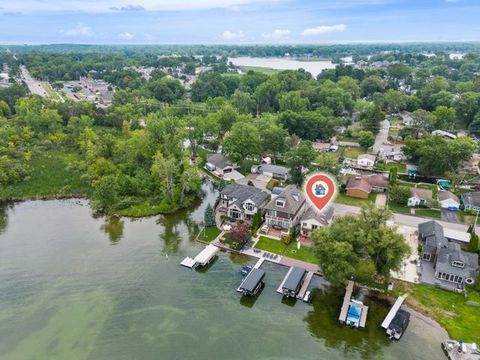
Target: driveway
pixel 382 136
pixel 450 216
pixel 259 181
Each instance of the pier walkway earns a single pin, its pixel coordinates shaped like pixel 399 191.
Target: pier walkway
pixel 346 302
pixel 306 283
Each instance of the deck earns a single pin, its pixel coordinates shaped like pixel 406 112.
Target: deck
pixel 259 263
pixel 346 302
pixel 306 283
pixel 363 318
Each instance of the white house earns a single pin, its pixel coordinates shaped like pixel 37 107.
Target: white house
pixel 312 219
pixel 420 197
pixel 366 160
pixel 445 134
pixel 448 200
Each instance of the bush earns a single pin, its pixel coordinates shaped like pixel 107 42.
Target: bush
pixel 209 217
pixel 473 244
pixel 365 271
pixel 257 220
pixel 399 194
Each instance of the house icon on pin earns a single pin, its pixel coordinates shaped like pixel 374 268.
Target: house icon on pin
pixel 320 190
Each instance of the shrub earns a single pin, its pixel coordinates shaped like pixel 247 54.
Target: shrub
pixel 209 216
pixel 365 271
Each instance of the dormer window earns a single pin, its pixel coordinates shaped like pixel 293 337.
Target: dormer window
pixel 458 264
pixel 280 203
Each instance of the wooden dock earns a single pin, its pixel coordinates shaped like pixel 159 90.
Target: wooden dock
pixel 306 282
pixel 393 311
pixel 363 318
pixel 279 289
pixel 259 263
pixel 346 302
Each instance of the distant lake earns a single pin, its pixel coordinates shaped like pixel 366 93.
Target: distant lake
pixel 314 67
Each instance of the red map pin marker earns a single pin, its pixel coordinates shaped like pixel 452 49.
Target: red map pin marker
pixel 320 189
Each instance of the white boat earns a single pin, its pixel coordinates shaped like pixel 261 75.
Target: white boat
pixel 307 296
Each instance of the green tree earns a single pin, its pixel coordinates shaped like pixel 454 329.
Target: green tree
pixel 257 220
pixel 243 142
pixel 399 194
pixel 445 117
pixel 473 245
pixel 299 159
pixel 293 101
pixel 372 84
pixel 366 138
pixel 209 216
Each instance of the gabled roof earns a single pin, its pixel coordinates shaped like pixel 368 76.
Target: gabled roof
pixel 445 195
pixel 451 253
pixel 244 192
pixel 294 200
pixel 323 218
pixel 432 232
pixel 218 160
pixel 422 194
pixel 359 183
pixel 471 198
pixel 367 157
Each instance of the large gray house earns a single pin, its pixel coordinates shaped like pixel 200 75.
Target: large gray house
pixel 444 263
pixel 241 202
pixel 471 200
pixel 285 210
pixel 274 171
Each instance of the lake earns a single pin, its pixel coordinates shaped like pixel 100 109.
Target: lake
pixel 314 67
pixel 73 286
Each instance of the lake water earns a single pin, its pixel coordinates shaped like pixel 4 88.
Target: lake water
pixel 77 287
pixel 313 67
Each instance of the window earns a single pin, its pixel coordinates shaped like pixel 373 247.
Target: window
pixel 459 264
pixel 249 207
pixel 314 227
pixel 280 203
pixel 427 256
pixel 305 224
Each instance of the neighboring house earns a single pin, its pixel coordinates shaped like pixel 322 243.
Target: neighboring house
pixel 286 209
pixel 313 219
pixel 448 200
pixel 471 201
pixel 420 197
pixel 444 263
pixel 445 134
pixel 219 164
pixel 366 161
pixel 274 171
pixel 241 202
pixel 395 156
pixel 362 186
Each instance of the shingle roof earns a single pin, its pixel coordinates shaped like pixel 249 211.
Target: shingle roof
pixel 444 195
pixel 273 169
pixel 360 183
pixel 244 192
pixel 218 160
pixel 323 218
pixel 294 200
pixel 422 194
pixel 471 198
pixel 453 253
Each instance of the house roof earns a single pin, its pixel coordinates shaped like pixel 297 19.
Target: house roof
pixel 242 193
pixel 294 200
pixel 275 169
pixel 445 195
pixel 359 183
pixel 452 252
pixel 218 160
pixel 422 194
pixel 377 180
pixel 323 217
pixel 471 198
pixel 367 157
pixel 432 232
pixel 294 278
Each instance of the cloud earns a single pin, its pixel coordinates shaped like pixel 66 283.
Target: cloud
pixel 79 30
pixel 232 35
pixel 320 30
pixel 126 36
pixel 277 35
pixel 129 7
pixel 148 37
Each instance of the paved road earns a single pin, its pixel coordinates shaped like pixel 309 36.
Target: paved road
pixel 34 86
pixel 401 219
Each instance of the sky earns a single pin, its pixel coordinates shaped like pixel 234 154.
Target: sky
pixel 237 21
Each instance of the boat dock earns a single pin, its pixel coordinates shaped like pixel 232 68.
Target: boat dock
pixel 393 311
pixel 353 312
pixel 259 263
pixel 306 282
pixel 202 259
pixel 280 288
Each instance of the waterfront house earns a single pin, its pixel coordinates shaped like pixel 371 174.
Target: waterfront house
pixel 362 186
pixel 313 219
pixel 448 200
pixel 273 171
pixel 420 197
pixel 219 164
pixel 444 263
pixel 286 209
pixel 241 202
pixel 471 200
pixel 366 161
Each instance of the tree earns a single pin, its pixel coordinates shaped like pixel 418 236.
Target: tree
pixel 445 117
pixel 209 216
pixel 372 84
pixel 399 194
pixel 242 142
pixel 371 119
pixel 366 138
pixel 298 159
pixel 257 220
pixel 468 106
pixel 394 101
pixel 423 121
pixel 392 176
pixel 349 240
pixel 474 243
pixel 240 234
pixel 293 101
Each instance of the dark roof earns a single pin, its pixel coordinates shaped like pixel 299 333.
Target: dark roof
pixel 432 233
pixel 293 279
pixel 218 160
pixel 323 217
pixel 444 195
pixel 471 198
pixel 453 252
pixel 242 193
pixel 359 183
pixel 294 200
pixel 254 277
pixel 274 169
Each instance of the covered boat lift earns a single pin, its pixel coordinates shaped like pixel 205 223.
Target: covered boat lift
pixel 353 312
pixel 252 283
pixel 202 259
pixel 293 282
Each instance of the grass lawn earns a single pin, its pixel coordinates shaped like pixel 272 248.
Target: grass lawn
pixel 396 208
pixel 432 213
pixel 459 316
pixel 52 177
pixel 405 183
pixel 352 152
pixel 401 168
pixel 264 70
pixel 348 139
pixel 347 200
pixel 210 234
pixel 466 218
pixel 278 247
